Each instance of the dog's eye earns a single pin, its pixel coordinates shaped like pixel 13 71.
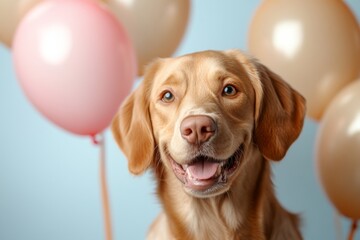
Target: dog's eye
pixel 167 97
pixel 229 90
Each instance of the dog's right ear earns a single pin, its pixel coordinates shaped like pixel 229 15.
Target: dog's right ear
pixel 132 127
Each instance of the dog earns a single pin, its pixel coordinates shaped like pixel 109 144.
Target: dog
pixel 209 124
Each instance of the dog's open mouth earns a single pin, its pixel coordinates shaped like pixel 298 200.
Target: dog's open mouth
pixel 204 172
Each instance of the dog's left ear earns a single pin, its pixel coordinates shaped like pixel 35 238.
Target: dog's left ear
pixel 280 116
pixel 279 109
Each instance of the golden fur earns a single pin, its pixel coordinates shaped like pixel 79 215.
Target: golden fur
pixel 265 116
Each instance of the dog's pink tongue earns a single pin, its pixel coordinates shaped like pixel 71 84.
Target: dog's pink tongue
pixel 203 170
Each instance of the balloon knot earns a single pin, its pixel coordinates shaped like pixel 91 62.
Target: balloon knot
pixel 94 139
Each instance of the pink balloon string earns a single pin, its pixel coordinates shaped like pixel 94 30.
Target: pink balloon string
pixel 353 230
pixel 100 141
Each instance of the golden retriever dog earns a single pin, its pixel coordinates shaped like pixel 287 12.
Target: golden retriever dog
pixel 209 124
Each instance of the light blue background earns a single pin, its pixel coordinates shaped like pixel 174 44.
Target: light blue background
pixel 49 182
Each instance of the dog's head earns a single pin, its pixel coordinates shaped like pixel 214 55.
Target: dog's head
pixel 199 114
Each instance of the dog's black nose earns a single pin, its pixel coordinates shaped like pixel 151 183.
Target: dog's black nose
pixel 197 129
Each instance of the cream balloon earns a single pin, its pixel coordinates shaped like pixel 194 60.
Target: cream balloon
pixel 156 27
pixel 11 12
pixel 313 44
pixel 338 151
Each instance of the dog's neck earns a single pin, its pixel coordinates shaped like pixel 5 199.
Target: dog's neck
pixel 226 216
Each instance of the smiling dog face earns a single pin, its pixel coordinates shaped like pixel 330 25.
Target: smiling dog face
pixel 199 115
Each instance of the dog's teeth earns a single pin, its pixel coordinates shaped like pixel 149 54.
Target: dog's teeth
pixel 218 171
pixel 185 166
pixel 188 173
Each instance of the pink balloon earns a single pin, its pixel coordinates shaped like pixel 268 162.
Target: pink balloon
pixel 75 63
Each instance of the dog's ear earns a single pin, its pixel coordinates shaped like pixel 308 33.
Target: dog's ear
pixel 280 115
pixel 279 109
pixel 132 127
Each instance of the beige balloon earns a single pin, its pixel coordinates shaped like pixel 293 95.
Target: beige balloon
pixel 313 44
pixel 338 151
pixel 156 27
pixel 11 12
